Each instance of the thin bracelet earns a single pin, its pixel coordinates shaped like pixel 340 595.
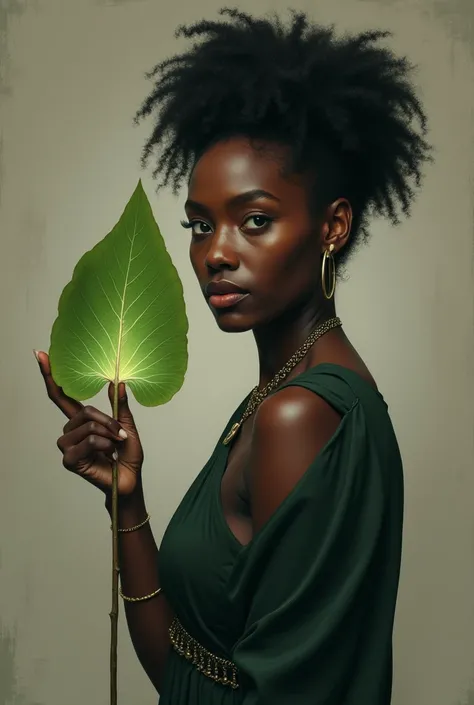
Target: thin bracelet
pixel 139 599
pixel 134 528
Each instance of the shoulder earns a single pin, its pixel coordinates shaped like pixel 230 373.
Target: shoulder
pixel 291 427
pixel 294 412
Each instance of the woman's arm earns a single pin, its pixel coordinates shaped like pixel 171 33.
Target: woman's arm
pixel 87 443
pixel 148 621
pixel 290 429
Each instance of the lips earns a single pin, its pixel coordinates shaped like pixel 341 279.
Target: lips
pixel 224 294
pixel 223 287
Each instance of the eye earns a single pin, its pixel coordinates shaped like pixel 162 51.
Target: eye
pixel 198 227
pixel 257 222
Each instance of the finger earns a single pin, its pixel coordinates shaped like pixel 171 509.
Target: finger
pixel 77 435
pixel 131 451
pixel 66 404
pixel 85 450
pixel 125 415
pixel 90 414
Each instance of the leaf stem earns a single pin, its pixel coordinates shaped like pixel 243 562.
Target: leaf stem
pixel 115 569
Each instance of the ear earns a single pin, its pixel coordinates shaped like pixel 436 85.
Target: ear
pixel 337 225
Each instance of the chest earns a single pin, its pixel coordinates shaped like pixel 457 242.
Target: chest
pixel 203 552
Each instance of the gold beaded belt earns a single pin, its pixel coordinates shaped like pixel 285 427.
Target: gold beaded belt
pixel 218 669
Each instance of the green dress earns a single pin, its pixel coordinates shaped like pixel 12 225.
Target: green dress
pixel 305 611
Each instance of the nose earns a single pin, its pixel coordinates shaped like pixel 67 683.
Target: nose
pixel 221 253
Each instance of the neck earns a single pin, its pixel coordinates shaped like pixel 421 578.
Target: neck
pixel 279 339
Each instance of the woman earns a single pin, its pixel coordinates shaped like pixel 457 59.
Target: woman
pixel 276 580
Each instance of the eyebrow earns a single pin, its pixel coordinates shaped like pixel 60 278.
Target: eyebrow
pixel 240 199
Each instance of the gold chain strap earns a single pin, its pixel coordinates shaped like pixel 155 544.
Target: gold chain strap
pixel 257 396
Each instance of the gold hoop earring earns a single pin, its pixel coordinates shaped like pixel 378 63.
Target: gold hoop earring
pixel 328 256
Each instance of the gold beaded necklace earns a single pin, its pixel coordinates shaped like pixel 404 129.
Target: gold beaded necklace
pixel 258 395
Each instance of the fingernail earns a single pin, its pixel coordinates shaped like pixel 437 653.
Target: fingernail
pixel 122 434
pixel 36 354
pixel 115 455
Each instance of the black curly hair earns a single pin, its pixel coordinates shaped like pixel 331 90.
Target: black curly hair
pixel 344 106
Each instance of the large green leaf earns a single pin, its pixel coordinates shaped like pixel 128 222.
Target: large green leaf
pixel 122 317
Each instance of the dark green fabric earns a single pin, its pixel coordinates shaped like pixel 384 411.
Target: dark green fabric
pixel 306 609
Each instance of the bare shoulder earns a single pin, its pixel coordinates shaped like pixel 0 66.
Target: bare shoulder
pixel 291 427
pixel 294 410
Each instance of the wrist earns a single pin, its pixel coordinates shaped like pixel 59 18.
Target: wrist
pixel 131 508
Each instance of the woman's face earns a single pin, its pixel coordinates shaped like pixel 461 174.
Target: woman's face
pixel 254 246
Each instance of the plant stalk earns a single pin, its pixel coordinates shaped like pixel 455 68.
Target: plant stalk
pixel 115 570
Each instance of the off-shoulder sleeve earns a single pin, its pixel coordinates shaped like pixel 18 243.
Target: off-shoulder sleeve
pixel 321 580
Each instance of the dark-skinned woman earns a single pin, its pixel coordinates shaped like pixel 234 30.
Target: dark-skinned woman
pixel 276 580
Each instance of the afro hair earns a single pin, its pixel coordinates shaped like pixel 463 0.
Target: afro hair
pixel 344 106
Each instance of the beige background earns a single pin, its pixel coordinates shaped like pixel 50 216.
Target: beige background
pixel 71 78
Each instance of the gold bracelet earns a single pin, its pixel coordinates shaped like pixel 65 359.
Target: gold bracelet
pixel 134 528
pixel 139 599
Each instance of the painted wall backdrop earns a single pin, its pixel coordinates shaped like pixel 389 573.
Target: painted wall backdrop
pixel 71 78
